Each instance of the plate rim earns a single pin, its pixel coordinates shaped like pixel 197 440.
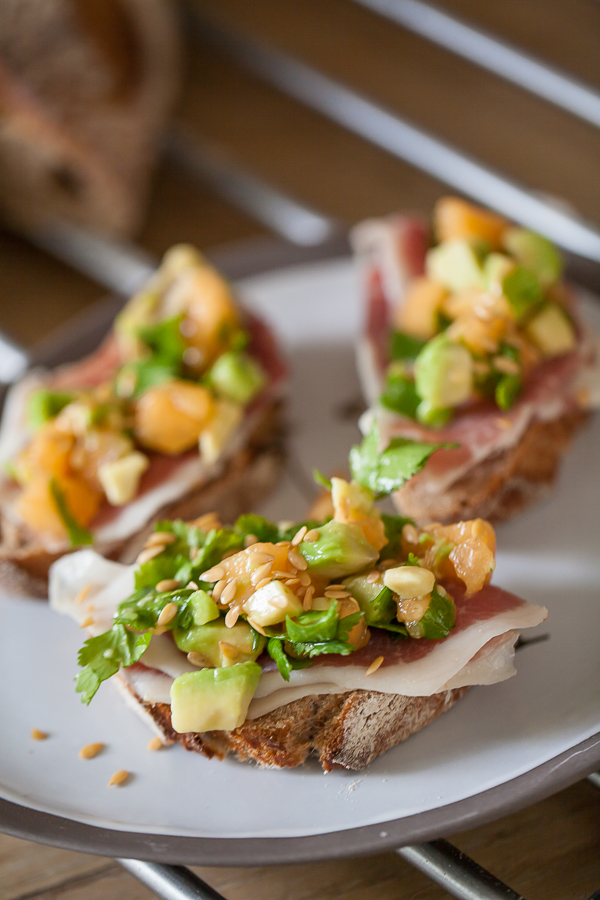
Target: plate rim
pixel 21 821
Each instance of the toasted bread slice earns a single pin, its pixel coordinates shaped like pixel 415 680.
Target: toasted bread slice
pixel 345 731
pixel 501 485
pixel 247 478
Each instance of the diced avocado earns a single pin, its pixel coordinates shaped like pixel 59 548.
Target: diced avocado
pixel 456 265
pixel 338 551
pixel 139 311
pixel 120 478
pixel 237 376
pixel 432 416
pixel 45 405
pixel 204 609
pixel 444 373
pixel 551 331
pixel 534 252
pixel 495 268
pixel 375 600
pixel 405 346
pixel 206 639
pixel 270 604
pixel 522 290
pixel 213 699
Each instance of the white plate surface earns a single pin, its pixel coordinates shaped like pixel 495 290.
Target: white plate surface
pixel 549 555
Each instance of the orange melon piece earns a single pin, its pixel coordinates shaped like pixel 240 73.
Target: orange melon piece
pixel 455 219
pixel 417 314
pixel 472 559
pixel 49 452
pixel 170 417
pixel 37 507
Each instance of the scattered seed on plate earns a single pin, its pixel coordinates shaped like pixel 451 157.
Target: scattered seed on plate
pixel 119 777
pixel 155 744
pixel 91 750
pixel 374 665
pixel 38 735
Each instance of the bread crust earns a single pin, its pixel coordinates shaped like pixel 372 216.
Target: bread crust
pixel 501 485
pixel 345 731
pixel 85 88
pixel 248 476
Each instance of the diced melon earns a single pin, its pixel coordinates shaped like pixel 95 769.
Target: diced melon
pixel 551 331
pixel 49 453
pixel 455 218
pixel 170 417
pixel 417 315
pixel 353 505
pixel 37 507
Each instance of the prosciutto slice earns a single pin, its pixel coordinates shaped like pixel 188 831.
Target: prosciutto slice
pixel 391 252
pixel 480 649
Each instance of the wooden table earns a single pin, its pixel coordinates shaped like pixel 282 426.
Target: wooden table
pixel 550 851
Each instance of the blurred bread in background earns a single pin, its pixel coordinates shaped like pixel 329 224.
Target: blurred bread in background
pixel 85 90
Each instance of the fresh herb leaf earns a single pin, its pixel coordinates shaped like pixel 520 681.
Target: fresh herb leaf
pixel 399 393
pixel 263 529
pixel 164 340
pixel 316 625
pixel 346 625
pixel 321 479
pixel 44 405
pixel 507 390
pixel 405 346
pixel 393 526
pixel 303 650
pixel 286 534
pixel 102 656
pixel 78 535
pixel 384 472
pixel 141 374
pixel 278 654
pixel 522 290
pixel 218 542
pixel 142 610
pixel 439 618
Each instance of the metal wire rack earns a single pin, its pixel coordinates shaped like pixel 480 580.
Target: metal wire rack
pixel 121 268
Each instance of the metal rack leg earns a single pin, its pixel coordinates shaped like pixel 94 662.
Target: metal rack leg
pixel 170 882
pixel 456 872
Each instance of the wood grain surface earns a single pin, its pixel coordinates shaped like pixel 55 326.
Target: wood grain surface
pixel 550 851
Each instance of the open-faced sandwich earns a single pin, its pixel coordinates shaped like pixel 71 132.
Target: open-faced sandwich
pixel 176 414
pixel 337 638
pixel 476 341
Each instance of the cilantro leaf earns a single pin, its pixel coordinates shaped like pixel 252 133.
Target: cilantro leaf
pixel 316 625
pixel 78 535
pixel 308 650
pixel 164 340
pixel 384 472
pixel 439 618
pixel 405 346
pixel 142 609
pixel 393 526
pixel 321 479
pixel 263 529
pixel 346 625
pixel 101 657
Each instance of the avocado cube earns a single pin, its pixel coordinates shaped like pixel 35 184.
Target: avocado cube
pixel 534 252
pixel 270 604
pixel 338 551
pixel 551 331
pixel 523 291
pixel 213 699
pixel 237 376
pixel 204 609
pixel 375 600
pixel 495 267
pixel 44 405
pixel 211 639
pixel 444 373
pixel 456 265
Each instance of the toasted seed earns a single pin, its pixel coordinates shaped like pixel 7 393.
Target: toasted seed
pixel 249 540
pixel 299 536
pixel 311 535
pixel 337 595
pixel 38 735
pixel 410 533
pixel 477 530
pixel 282 544
pixel 167 614
pixel 207 522
pixel 214 574
pixel 291 581
pixel 91 750
pixel 218 588
pixel 228 650
pixel 228 592
pixel 374 665
pixel 304 579
pixel 262 572
pixel 198 659
pixel 279 573
pixel 232 616
pixel 191 585
pixel 160 537
pixel 257 627
pixel 119 777
pixel 336 587
pixel 155 744
pixel 506 366
pixel 296 560
pixel 89 620
pixel 149 554
pixel 308 597
pixel 503 422
pixel 262 583
pixel 260 559
pixel 167 584
pixel 373 576
pixel 83 593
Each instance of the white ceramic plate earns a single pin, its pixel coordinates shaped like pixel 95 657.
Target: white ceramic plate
pixel 490 740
